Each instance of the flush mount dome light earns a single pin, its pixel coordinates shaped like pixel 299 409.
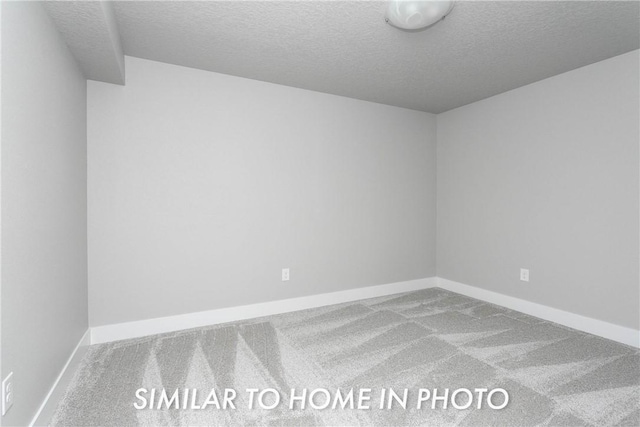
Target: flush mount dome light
pixel 415 15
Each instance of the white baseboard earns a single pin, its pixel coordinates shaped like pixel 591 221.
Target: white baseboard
pixel 141 328
pixel 108 333
pixel 601 328
pixel 48 404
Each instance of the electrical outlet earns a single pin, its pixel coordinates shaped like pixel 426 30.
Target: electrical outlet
pixel 524 275
pixel 7 393
pixel 285 274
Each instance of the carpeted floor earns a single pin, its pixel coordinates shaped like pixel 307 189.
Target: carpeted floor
pixel 425 339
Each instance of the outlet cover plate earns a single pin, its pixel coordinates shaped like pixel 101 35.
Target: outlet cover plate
pixel 7 393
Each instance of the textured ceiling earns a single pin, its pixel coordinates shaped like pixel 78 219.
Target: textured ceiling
pixel 342 47
pixel 90 30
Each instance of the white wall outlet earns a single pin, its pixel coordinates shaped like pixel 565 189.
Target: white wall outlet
pixel 7 393
pixel 285 274
pixel 524 274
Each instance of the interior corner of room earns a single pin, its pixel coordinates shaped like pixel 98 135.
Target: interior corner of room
pixel 174 198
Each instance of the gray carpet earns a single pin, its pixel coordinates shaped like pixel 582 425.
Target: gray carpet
pixel 425 339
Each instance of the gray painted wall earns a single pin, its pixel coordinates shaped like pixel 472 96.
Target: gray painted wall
pixel 44 250
pixel 203 186
pixel 546 177
pixel 1 376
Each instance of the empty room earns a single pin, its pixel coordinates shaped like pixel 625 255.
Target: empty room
pixel 320 213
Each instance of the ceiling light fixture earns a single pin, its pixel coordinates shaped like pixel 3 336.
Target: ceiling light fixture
pixel 414 15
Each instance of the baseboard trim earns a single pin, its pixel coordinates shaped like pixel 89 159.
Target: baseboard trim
pixel 136 329
pixel 593 326
pixel 141 328
pixel 85 341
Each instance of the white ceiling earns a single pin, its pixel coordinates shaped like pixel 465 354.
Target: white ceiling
pixel 344 47
pixel 91 32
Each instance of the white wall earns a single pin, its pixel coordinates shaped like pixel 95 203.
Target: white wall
pixel 546 177
pixel 202 186
pixel 44 246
